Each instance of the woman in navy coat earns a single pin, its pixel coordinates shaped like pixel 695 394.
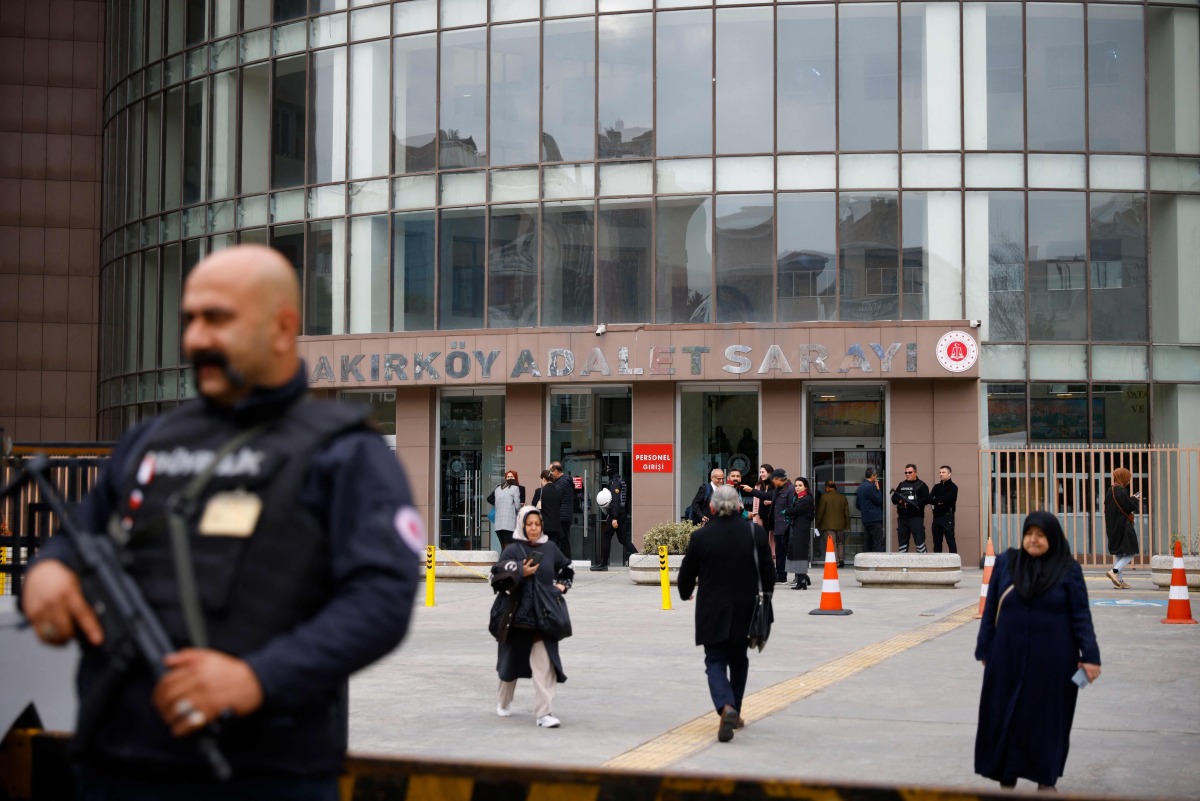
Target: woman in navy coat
pixel 1036 633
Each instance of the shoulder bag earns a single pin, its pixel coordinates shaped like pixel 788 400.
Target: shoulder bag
pixel 550 605
pixel 764 615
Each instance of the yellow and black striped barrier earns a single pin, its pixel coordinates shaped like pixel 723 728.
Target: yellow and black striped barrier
pixel 430 573
pixel 664 577
pixel 33 767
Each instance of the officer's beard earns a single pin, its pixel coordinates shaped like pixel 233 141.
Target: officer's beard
pixel 215 358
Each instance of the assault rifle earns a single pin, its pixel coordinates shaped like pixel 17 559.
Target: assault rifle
pixel 896 493
pixel 131 630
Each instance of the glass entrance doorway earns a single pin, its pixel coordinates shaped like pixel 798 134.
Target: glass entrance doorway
pixel 471 463
pixel 591 429
pixel 846 429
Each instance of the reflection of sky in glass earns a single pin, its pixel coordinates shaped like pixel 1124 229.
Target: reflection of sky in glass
pixel 626 82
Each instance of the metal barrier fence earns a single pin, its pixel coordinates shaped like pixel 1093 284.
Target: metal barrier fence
pixel 1071 482
pixel 28 519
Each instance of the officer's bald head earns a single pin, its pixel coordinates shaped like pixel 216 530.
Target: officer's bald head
pixel 241 312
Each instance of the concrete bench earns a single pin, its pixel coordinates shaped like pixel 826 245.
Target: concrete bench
pixel 1160 571
pixel 643 569
pixel 470 565
pixel 927 570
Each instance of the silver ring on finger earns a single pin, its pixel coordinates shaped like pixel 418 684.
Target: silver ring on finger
pixel 196 719
pixel 183 708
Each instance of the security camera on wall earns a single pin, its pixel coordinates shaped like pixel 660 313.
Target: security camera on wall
pixel 600 329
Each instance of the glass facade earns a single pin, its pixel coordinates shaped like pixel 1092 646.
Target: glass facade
pixel 451 165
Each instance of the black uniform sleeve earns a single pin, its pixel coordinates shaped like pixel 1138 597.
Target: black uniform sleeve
pixel 360 492
pixel 922 492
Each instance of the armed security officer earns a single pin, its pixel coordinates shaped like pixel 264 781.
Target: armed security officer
pixel 303 563
pixel 909 498
pixel 943 497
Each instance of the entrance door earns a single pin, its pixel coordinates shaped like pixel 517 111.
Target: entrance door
pixel 591 429
pixel 847 436
pixel 471 461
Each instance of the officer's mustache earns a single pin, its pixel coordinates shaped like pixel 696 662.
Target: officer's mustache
pixel 215 358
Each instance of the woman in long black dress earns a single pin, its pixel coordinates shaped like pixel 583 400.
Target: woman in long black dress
pixel 524 652
pixel 1036 634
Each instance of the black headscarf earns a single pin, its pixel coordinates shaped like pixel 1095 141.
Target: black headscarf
pixel 1033 576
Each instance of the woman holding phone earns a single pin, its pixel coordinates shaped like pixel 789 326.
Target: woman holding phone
pixel 1119 507
pixel 524 652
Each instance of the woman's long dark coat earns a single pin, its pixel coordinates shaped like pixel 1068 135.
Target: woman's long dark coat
pixel 799 515
pixel 1028 699
pixel 1122 536
pixel 512 659
pixel 720 556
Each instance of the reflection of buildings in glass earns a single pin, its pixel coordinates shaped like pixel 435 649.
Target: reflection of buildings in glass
pixel 459 152
pixel 512 273
pixel 620 142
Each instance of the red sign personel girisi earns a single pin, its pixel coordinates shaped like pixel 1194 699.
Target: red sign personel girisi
pixel 654 458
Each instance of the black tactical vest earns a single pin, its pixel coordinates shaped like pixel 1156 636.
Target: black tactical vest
pixel 250 588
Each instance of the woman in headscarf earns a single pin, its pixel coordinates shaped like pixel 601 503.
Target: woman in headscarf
pixel 799 515
pixel 1035 636
pixel 524 651
pixel 1119 507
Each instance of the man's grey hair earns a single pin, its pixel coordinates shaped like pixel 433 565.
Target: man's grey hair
pixel 725 501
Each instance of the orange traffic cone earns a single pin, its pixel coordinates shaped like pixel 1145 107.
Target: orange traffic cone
pixel 989 561
pixel 831 591
pixel 1179 607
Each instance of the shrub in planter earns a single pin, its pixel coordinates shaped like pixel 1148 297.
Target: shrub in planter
pixel 675 536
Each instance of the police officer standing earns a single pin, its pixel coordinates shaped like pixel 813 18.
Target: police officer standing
pixel 616 522
pixel 909 498
pixel 943 497
pixel 303 564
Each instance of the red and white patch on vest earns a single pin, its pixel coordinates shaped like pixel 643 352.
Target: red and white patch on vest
pixel 145 473
pixel 411 529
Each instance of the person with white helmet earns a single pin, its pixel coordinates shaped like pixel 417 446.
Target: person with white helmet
pixel 614 500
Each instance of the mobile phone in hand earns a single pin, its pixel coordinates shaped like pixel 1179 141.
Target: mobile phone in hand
pixel 1080 678
pixel 535 558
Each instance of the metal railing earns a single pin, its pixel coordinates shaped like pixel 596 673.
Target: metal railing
pixel 27 518
pixel 1071 482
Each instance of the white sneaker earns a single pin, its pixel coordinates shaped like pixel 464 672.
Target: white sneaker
pixel 549 722
pixel 503 711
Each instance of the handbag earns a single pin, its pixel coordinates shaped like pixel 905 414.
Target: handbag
pixel 764 614
pixel 550 606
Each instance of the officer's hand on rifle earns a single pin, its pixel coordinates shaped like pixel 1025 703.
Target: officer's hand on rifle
pixel 53 601
pixel 202 685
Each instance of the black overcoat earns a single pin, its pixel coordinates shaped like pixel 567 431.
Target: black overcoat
pixel 1122 536
pixel 1031 652
pixel 799 515
pixel 512 658
pixel 721 557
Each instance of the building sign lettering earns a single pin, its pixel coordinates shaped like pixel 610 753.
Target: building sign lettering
pixel 761 353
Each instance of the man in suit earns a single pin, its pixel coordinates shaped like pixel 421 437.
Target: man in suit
pixel 699 507
pixel 722 556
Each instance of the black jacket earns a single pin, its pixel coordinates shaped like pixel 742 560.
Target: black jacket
pixel 551 504
pixel 779 500
pixel 699 508
pixel 356 490
pixel 910 498
pixel 944 498
pixel 721 556
pixel 566 505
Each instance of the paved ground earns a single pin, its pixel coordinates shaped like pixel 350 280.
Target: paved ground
pixel 888 694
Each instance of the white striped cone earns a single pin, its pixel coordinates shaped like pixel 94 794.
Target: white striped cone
pixel 831 590
pixel 1179 606
pixel 989 561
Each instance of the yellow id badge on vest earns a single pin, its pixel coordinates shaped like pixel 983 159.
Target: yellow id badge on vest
pixel 231 514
